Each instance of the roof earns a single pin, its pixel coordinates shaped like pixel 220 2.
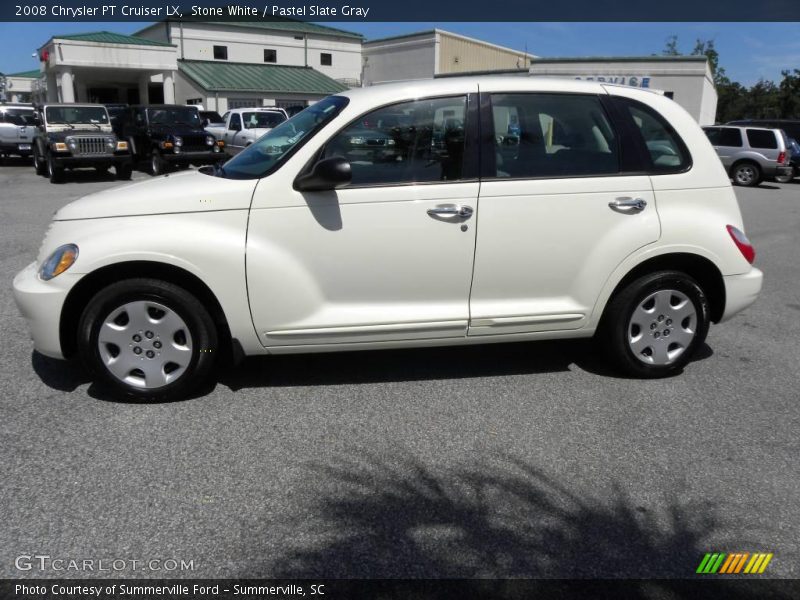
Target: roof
pixel 279 24
pixel 442 32
pixel 402 36
pixel 254 77
pixel 108 37
pixel 34 74
pixel 598 59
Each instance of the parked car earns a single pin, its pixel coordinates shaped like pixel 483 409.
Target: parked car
pixel 790 126
pixel 243 126
pixel 751 154
pixel 115 111
pixel 290 248
pixel 17 130
pixel 72 136
pixel 168 135
pixel 794 146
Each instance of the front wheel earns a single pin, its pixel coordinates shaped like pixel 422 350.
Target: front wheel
pixel 54 172
pixel 157 164
pixel 655 324
pixel 39 164
pixel 147 340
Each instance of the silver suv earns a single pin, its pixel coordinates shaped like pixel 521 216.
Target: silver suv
pixel 17 129
pixel 751 154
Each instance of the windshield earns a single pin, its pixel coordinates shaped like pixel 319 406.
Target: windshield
pixel 77 114
pixel 265 154
pixel 174 115
pixel 262 119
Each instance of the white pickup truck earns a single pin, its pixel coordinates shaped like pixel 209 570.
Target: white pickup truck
pixel 243 126
pixel 17 130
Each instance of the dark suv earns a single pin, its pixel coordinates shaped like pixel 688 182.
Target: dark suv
pixel 168 135
pixel 71 136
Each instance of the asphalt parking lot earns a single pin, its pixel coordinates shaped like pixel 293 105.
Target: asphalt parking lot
pixel 525 460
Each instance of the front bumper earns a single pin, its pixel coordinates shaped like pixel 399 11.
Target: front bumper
pixel 40 302
pixel 741 291
pixel 203 157
pixel 92 160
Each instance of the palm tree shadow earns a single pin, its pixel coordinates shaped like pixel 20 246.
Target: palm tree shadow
pixel 501 519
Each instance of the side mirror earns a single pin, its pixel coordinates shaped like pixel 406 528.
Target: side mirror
pixel 327 174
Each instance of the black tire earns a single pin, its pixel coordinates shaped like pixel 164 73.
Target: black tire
pixel 54 172
pixel 746 174
pixel 39 164
pixel 124 172
pixel 202 341
pixel 157 164
pixel 617 331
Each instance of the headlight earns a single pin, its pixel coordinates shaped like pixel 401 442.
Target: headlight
pixel 72 144
pixel 209 140
pixel 111 142
pixel 178 140
pixel 59 261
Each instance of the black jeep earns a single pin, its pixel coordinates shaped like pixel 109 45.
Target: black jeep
pixel 71 136
pixel 168 135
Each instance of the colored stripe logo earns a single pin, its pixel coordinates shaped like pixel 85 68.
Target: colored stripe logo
pixel 734 563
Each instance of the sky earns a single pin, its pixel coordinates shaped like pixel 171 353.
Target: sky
pixel 748 51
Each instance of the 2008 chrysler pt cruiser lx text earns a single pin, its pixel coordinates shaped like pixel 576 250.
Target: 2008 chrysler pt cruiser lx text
pixel 454 211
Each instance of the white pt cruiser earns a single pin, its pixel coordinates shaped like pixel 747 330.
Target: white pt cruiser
pixel 454 211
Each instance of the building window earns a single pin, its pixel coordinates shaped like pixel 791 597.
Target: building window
pixel 326 59
pixel 193 101
pixel 270 55
pixel 299 37
pixel 220 53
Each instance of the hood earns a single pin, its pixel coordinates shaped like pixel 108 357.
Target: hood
pixel 185 192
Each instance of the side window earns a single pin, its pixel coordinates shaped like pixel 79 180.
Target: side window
pixel 713 134
pixel 419 141
pixel 730 137
pixel 552 135
pixel 667 151
pixel 220 52
pixel 236 122
pixel 762 138
pixel 139 118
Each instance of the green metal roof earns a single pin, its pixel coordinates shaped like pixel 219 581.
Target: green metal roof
pixel 31 74
pixel 253 77
pixel 289 25
pixel 108 37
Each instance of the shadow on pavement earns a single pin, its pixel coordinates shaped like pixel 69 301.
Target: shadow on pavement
pixel 390 516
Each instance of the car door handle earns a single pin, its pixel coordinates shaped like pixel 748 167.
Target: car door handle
pixel 451 210
pixel 627 205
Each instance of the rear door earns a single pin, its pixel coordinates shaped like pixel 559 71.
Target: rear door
pixel 563 201
pixel 727 141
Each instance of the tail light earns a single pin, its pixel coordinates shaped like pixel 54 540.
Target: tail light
pixel 781 158
pixel 744 245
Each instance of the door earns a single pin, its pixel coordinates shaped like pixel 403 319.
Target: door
pixel 557 213
pixel 234 136
pixel 388 257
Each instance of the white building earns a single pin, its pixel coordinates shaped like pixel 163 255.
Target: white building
pixel 19 86
pixel 686 79
pixel 435 52
pixel 219 65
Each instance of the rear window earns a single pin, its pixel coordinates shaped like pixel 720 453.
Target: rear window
pixel 17 116
pixel 762 138
pixel 667 152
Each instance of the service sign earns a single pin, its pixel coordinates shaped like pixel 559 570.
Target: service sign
pixel 640 81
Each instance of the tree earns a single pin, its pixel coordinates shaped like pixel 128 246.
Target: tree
pixel 671 47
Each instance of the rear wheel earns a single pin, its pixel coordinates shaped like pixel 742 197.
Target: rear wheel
pixel 746 174
pixel 146 339
pixel 655 324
